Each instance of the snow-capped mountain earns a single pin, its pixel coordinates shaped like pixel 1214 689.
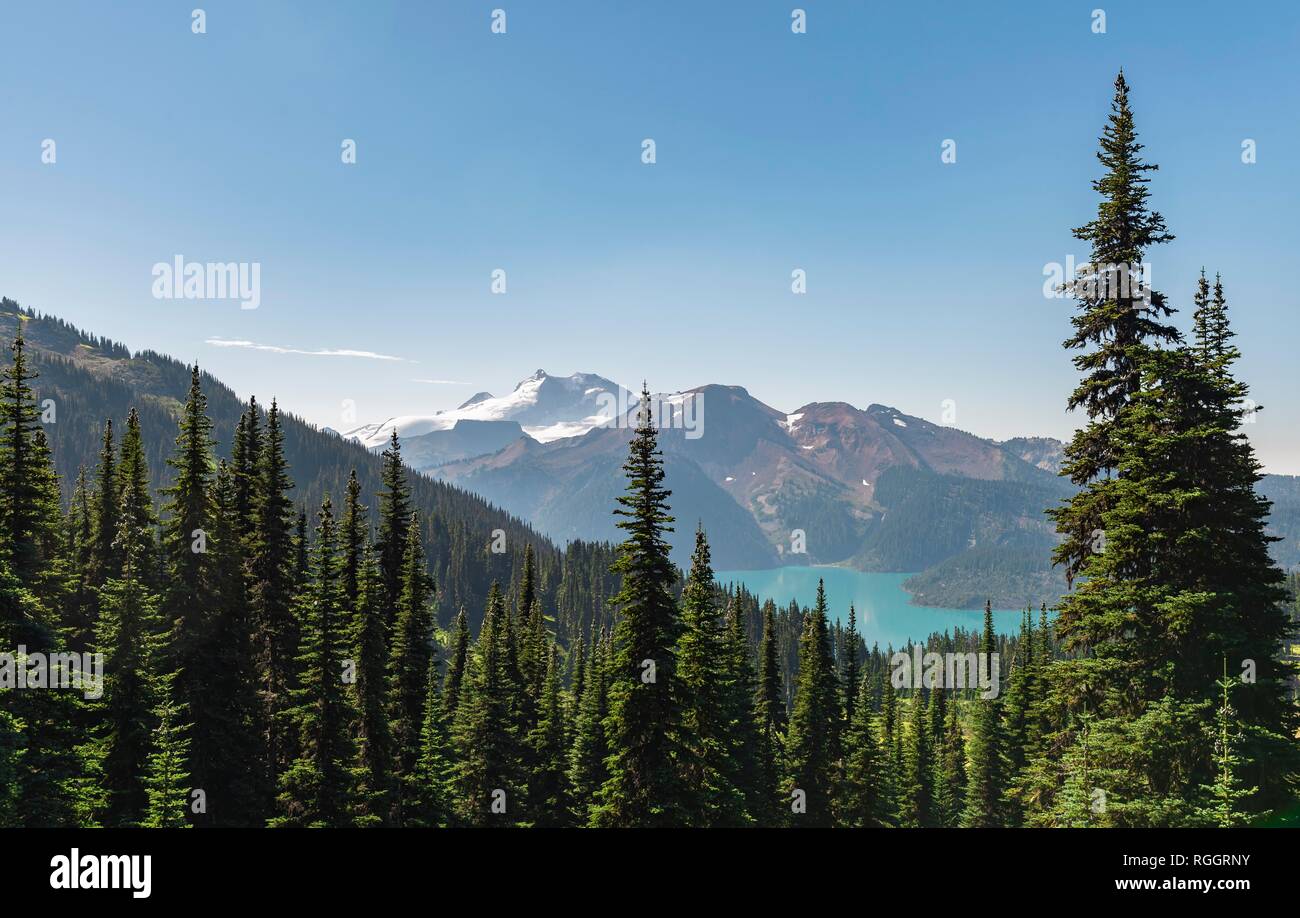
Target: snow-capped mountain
pixel 752 475
pixel 871 488
pixel 546 408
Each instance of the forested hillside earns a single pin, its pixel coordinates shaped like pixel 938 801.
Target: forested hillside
pixel 92 380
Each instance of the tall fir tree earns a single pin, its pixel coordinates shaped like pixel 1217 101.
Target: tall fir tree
pixel 918 770
pixel 353 530
pixel 1016 716
pixel 950 776
pixel 588 768
pixel 245 461
pixel 644 787
pixel 849 679
pixel 130 634
pixel 236 765
pixel 891 758
pixel 413 651
pixel 190 600
pixel 548 791
pixel 106 552
pixel 80 597
pixel 394 522
pixel 136 519
pixel 709 767
pixel 770 718
pixel 29 501
pixel 1117 321
pixel 486 742
pixel 375 791
pixel 456 666
pixel 427 796
pixel 812 744
pixel 318 788
pixel 740 682
pixel 271 591
pixel 986 776
pixel 861 804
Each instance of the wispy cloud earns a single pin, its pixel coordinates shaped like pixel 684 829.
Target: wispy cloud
pixel 323 352
pixel 441 382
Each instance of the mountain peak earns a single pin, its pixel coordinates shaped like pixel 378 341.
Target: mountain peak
pixel 546 407
pixel 475 399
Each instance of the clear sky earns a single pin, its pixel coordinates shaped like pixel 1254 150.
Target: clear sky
pixel 522 151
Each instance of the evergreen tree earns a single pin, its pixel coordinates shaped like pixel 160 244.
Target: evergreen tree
pixel 317 790
pixel 374 731
pixel 1227 556
pixel 812 744
pixel 29 504
pixel 588 769
pixel 861 801
pixel 394 523
pixel 167 782
pixel 891 757
pixel 484 731
pixel 79 603
pixel 271 553
pixel 1185 578
pixel 533 652
pixel 129 634
pixel 770 717
pixel 413 651
pixel 986 777
pixel 236 766
pixel 352 543
pixel 136 518
pixel 917 795
pixel 950 778
pixel 1225 795
pixel 246 459
pixel 548 784
pixel 301 553
pixel 1015 727
pixel 1117 319
pixel 427 798
pixel 456 669
pixel 850 677
pixel 190 601
pixel 709 768
pixel 577 673
pixel 644 787
pixel 738 698
pixel 106 557
pixel 1080 800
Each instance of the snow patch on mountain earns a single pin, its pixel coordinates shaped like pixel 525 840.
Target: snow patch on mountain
pixel 547 407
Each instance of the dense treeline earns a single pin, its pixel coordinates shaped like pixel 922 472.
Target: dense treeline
pixel 89 379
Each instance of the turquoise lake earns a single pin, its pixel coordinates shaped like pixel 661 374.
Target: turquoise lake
pixel 884 615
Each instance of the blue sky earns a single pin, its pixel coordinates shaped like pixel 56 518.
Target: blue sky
pixel 522 151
